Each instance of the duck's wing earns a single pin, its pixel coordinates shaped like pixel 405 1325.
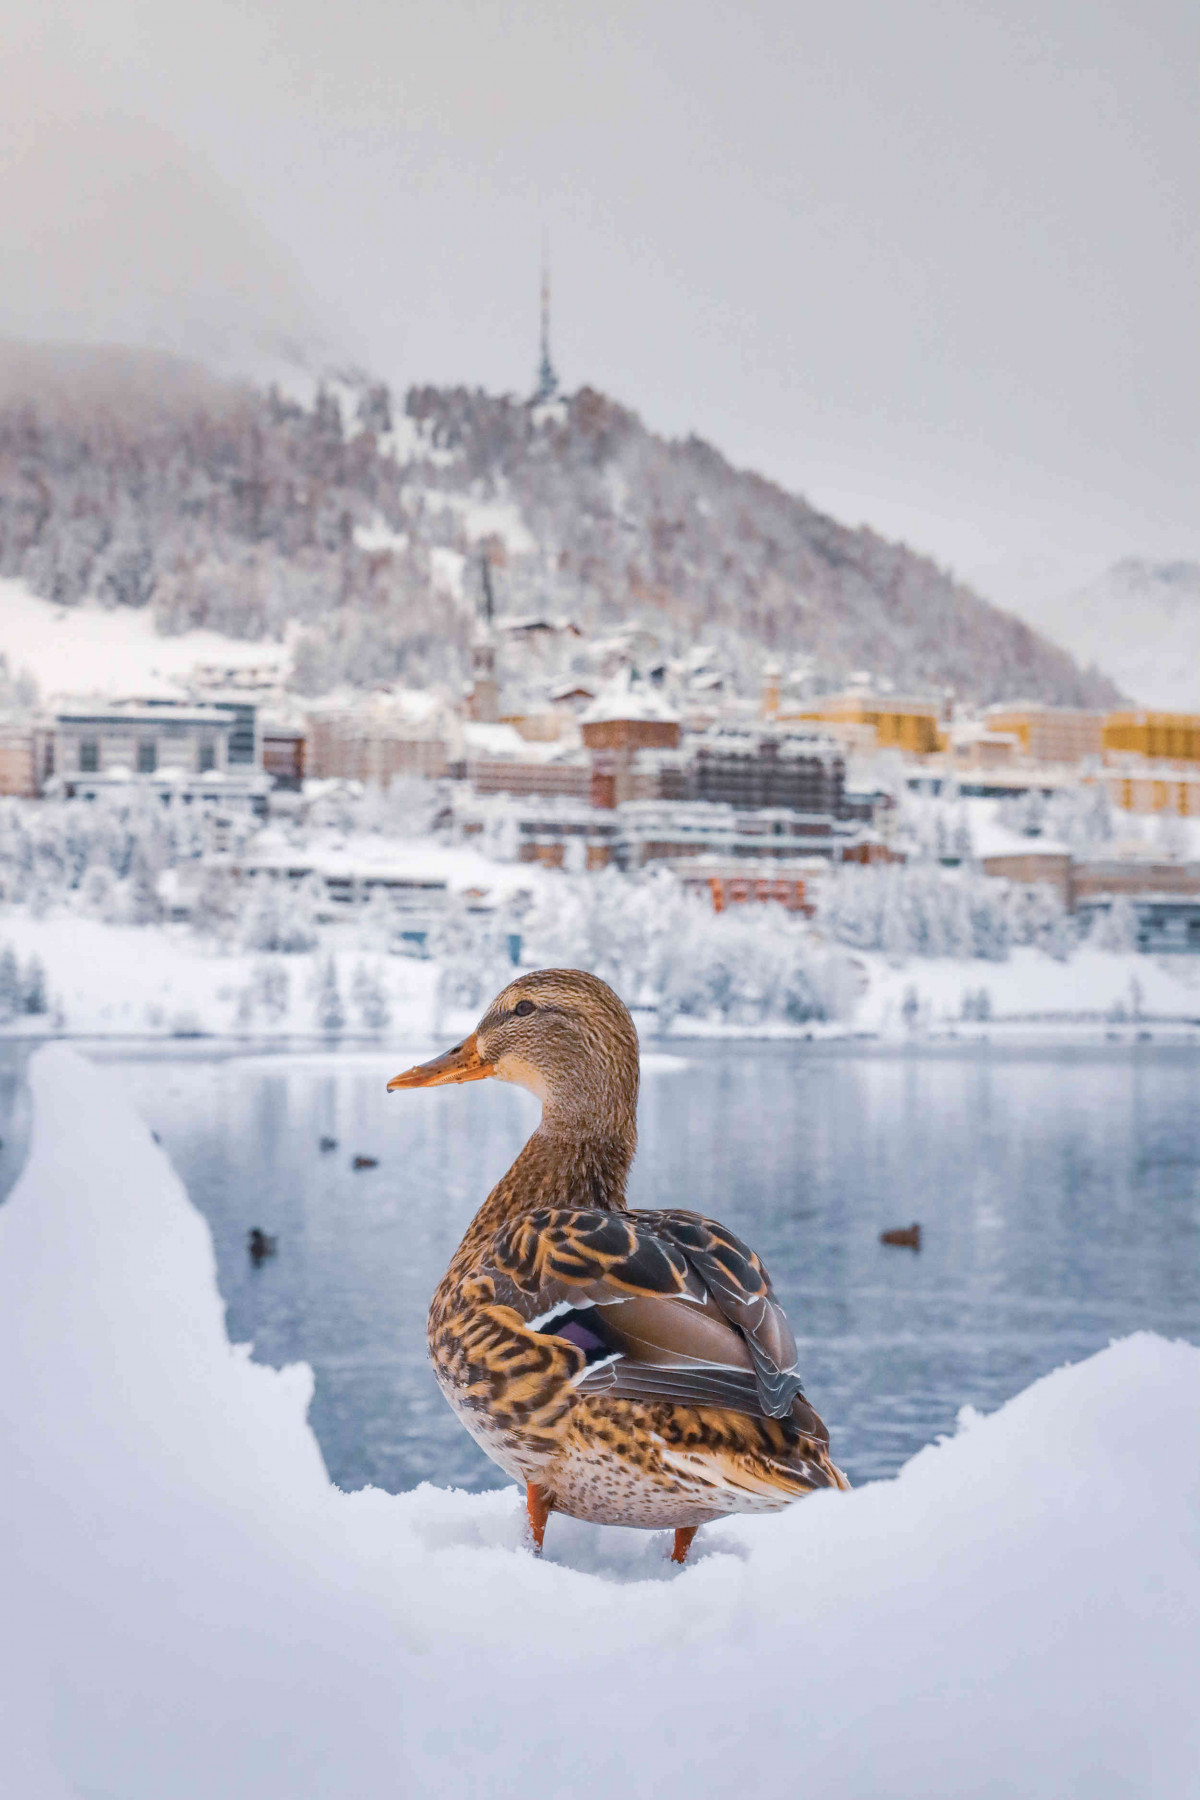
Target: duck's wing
pixel 651 1306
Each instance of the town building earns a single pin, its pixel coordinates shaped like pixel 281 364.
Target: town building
pixel 728 882
pixel 222 792
pixel 1134 876
pixel 1156 736
pixel 283 754
pixel 664 831
pixel 1164 924
pixel 1049 734
pixel 140 739
pixel 1052 868
pixel 400 733
pixel 497 759
pixel 26 757
pixel 482 702
pixel 624 720
pixel 767 767
pixel 1152 788
pixel 973 746
pixel 345 881
pixel 866 720
pixel 1088 882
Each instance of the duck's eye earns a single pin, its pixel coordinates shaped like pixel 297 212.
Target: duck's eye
pixel 523 1008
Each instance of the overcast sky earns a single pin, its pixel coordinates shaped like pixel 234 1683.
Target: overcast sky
pixel 930 262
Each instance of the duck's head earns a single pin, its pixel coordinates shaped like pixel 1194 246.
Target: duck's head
pixel 565 1036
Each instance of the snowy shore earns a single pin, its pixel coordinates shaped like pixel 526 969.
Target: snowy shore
pixel 159 981
pixel 194 1610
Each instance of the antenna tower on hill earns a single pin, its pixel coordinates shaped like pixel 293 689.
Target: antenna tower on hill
pixel 547 379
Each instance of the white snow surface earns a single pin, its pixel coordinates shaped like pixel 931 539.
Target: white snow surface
pixel 113 650
pixel 1031 986
pixel 193 1610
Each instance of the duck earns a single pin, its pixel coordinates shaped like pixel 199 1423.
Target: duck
pixel 626 1367
pixel 259 1244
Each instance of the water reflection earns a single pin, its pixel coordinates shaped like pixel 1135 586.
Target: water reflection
pixel 1059 1192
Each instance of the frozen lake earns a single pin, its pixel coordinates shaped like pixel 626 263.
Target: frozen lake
pixel 1058 1190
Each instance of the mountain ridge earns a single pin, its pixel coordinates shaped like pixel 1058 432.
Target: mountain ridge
pixel 225 504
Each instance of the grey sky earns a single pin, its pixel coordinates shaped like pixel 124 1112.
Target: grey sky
pixel 932 264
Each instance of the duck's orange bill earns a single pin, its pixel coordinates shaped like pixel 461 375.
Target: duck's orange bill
pixel 463 1063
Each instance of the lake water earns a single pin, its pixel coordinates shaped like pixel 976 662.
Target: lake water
pixel 1058 1190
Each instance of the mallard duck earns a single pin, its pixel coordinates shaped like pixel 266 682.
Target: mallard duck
pixel 629 1368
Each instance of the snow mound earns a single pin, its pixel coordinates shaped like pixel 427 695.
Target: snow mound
pixel 115 650
pixel 193 1610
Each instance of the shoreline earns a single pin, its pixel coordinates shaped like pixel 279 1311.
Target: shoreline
pixel 1017 1032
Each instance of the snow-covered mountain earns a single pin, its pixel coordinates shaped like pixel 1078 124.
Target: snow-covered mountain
pixel 358 523
pixel 1139 623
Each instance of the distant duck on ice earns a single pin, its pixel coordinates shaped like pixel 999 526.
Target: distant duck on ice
pixel 629 1368
pixel 259 1245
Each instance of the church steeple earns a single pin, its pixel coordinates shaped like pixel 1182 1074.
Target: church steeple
pixel 547 379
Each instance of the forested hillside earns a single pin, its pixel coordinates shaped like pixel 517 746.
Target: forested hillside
pixel 361 520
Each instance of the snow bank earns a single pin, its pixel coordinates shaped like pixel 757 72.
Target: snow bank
pixel 117 650
pixel 146 981
pixel 192 1610
pixel 1119 985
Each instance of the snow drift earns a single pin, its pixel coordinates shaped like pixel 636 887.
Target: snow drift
pixel 192 1610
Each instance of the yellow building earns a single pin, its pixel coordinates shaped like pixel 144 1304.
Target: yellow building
pixel 1162 737
pixel 913 726
pixel 1050 734
pixel 1154 789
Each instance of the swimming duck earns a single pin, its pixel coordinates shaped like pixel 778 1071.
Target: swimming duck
pixel 629 1368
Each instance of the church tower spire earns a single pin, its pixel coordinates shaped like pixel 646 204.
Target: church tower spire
pixel 547 379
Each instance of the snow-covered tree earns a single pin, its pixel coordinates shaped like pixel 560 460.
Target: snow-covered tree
pixel 370 996
pixel 1172 837
pixel 11 989
pixel 329 1009
pixel 1117 927
pixel 34 997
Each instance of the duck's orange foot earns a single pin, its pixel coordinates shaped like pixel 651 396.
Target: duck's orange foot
pixel 537 1505
pixel 683 1542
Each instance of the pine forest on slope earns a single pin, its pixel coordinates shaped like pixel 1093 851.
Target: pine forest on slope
pixel 141 480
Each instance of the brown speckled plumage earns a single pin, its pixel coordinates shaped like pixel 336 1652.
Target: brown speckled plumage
pixel 634 1367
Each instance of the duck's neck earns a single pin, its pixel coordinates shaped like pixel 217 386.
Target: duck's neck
pixel 565 1167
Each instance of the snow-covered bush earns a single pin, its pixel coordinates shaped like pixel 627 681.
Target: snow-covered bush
pixel 663 948
pixel 22 991
pixel 919 910
pixel 1117 927
pixel 915 911
pixel 976 1004
pixel 329 1010
pixel 369 993
pixel 53 849
pixel 280 917
pixel 474 952
pixel 1037 916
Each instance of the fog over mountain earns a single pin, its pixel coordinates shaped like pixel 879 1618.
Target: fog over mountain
pixel 1138 621
pixel 142 481
pixel 931 267
pixel 113 232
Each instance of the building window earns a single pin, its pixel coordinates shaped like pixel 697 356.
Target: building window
pixel 89 756
pixel 208 758
pixel 147 756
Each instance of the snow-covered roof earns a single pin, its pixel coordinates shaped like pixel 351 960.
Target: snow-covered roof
pixel 505 743
pixel 92 712
pixel 624 698
pixel 990 838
